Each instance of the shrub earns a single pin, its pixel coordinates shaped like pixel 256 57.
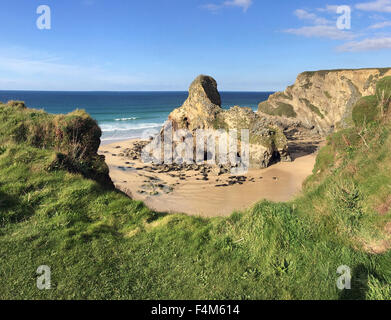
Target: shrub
pixel 365 110
pixel 265 107
pixel 77 128
pixel 383 91
pixel 384 85
pixel 283 109
pixel 16 104
pixel 345 200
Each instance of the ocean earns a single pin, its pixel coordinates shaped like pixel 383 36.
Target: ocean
pixel 124 115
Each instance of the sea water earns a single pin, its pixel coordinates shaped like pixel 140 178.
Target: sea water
pixel 124 115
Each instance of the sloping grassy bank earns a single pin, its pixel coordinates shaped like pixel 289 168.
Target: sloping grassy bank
pixel 102 245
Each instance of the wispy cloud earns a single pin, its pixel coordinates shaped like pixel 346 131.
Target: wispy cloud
pixel 366 45
pixel 378 6
pixel 380 25
pixel 364 39
pixel 312 17
pixel 244 4
pixel 321 27
pixel 329 9
pixel 49 73
pixel 322 31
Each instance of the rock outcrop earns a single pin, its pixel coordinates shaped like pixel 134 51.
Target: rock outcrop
pixel 202 110
pixel 323 100
pixel 73 138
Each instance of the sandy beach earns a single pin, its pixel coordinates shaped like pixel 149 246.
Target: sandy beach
pixel 203 192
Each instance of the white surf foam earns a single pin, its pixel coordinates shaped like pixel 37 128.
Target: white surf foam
pixel 126 119
pixel 128 127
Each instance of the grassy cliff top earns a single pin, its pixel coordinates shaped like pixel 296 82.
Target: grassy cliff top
pixel 73 139
pixel 101 244
pixel 324 72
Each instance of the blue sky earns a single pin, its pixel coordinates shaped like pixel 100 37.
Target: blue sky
pixel 246 45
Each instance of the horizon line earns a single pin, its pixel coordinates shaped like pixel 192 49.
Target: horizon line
pixel 124 91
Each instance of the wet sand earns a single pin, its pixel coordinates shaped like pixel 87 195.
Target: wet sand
pixel 187 191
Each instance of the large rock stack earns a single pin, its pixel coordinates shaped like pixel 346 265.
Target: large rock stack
pixel 202 110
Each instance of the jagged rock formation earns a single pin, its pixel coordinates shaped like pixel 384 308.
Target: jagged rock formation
pixel 267 140
pixel 323 100
pixel 202 110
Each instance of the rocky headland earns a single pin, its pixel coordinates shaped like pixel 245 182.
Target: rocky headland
pixel 322 101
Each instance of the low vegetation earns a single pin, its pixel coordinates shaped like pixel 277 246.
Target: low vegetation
pixel 283 109
pixel 102 245
pixel 323 73
pixel 313 108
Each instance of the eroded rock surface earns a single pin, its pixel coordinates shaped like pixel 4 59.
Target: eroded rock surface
pixel 202 110
pixel 323 100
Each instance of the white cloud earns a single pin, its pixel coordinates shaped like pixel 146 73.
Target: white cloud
pixel 367 39
pixel 329 9
pixel 322 27
pixel 380 25
pixel 322 31
pixel 378 5
pixel 244 4
pixel 366 45
pixel 305 15
pixel 27 71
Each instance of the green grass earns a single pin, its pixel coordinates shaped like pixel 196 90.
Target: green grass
pixel 313 108
pixel 366 110
pixel 283 109
pixel 102 245
pixel 383 90
pixel 322 73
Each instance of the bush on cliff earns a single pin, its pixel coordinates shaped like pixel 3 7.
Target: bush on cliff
pixel 371 108
pixel 383 92
pixel 383 87
pixel 16 104
pixel 365 110
pixel 283 109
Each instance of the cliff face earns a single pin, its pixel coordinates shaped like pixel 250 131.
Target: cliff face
pixel 202 110
pixel 323 100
